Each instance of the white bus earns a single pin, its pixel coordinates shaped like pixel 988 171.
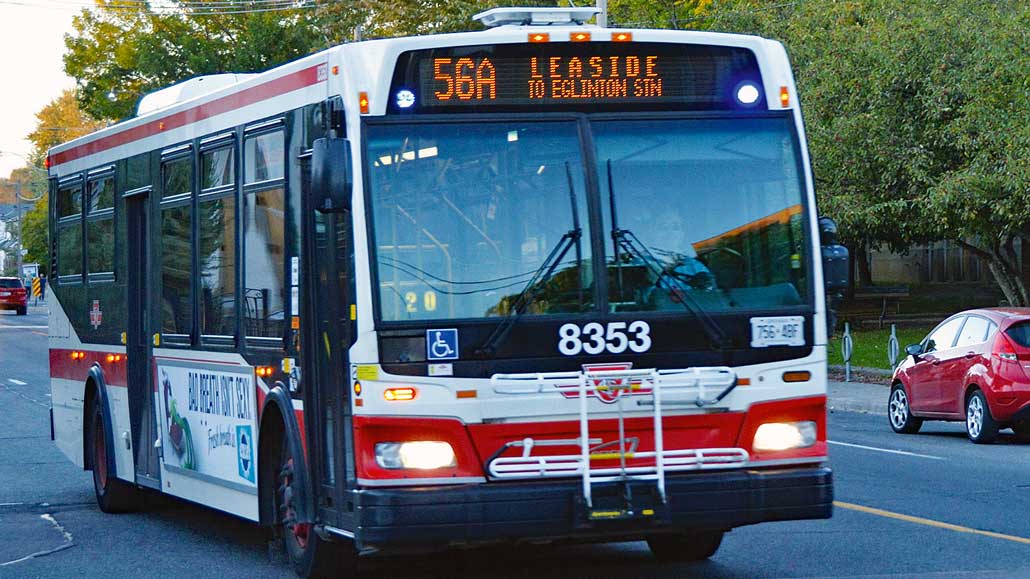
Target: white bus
pixel 541 282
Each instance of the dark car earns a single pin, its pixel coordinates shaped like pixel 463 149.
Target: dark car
pixel 975 367
pixel 13 295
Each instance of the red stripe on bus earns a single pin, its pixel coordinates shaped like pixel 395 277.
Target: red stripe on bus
pixel 62 366
pixel 273 88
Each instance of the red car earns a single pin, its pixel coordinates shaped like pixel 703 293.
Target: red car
pixel 13 295
pixel 974 366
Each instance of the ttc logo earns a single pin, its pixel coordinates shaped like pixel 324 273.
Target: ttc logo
pixel 245 452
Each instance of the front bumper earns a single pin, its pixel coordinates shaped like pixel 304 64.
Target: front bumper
pixel 429 518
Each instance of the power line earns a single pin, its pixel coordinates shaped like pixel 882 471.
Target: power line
pixel 182 9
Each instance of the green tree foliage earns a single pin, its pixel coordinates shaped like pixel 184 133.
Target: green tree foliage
pixel 123 49
pixel 917 115
pixel 35 241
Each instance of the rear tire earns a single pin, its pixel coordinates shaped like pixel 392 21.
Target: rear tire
pixel 685 547
pixel 113 495
pixel 980 424
pixel 307 553
pixel 899 413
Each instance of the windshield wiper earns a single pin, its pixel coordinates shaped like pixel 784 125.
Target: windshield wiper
pixel 571 238
pixel 626 240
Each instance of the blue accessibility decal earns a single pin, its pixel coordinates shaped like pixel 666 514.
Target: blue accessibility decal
pixel 442 344
pixel 245 454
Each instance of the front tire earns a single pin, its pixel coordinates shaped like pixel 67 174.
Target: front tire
pixel 685 547
pixel 980 424
pixel 23 310
pixel 307 553
pixel 899 413
pixel 113 495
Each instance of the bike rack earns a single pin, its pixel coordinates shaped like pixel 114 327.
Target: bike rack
pixel 652 387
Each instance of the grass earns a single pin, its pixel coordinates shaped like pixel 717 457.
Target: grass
pixel 869 347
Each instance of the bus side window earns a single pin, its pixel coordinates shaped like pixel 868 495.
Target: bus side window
pixel 176 243
pixel 100 226
pixel 264 243
pixel 69 231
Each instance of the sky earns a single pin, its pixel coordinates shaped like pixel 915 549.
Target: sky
pixel 31 45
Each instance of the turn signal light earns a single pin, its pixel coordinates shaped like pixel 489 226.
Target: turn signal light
pixel 78 355
pixel 784 97
pixel 363 102
pixel 399 394
pixel 112 358
pixel 264 371
pixel 797 376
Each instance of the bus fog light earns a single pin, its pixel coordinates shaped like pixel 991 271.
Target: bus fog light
pixel 418 454
pixel 784 435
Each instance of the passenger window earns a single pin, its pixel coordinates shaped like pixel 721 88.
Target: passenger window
pixel 974 332
pixel 216 219
pixel 217 168
pixel 69 200
pixel 178 177
pixel 100 226
pixel 265 267
pixel 264 157
pixel 944 336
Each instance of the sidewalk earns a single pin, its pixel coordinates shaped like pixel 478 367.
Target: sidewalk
pixel 857 397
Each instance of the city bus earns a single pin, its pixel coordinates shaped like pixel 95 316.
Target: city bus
pixel 541 282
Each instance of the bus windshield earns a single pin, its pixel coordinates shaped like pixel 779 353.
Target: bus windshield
pixel 697 214
pixel 465 214
pixel 715 209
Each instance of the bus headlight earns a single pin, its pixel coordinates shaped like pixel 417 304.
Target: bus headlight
pixel 784 435
pixel 416 454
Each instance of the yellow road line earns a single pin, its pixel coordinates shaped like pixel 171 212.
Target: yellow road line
pixel 929 522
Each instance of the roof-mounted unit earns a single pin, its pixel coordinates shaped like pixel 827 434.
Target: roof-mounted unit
pixel 186 90
pixel 535 16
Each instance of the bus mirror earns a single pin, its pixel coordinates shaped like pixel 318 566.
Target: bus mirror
pixel 331 178
pixel 836 262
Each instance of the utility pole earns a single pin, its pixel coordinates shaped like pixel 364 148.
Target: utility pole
pixel 602 18
pixel 17 201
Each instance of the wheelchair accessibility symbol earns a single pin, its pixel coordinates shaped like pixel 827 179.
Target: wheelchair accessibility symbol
pixel 442 344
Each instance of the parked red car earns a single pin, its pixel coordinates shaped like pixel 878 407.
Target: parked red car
pixel 974 366
pixel 13 295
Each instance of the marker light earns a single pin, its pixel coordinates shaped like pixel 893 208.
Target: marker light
pixel 797 376
pixel 784 435
pixel 784 97
pixel 399 394
pixel 622 37
pixel 748 94
pixel 580 37
pixel 417 454
pixel 405 98
pixel 539 37
pixel 363 103
pixel 264 371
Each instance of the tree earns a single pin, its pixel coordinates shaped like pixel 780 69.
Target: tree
pixel 916 115
pixel 122 49
pixel 59 121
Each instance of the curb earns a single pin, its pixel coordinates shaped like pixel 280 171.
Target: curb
pixel 862 369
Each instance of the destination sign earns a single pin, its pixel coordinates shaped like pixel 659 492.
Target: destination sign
pixel 594 75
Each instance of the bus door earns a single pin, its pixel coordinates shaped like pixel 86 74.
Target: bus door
pixel 138 340
pixel 328 334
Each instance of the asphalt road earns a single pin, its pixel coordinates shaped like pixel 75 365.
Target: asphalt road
pixel 926 505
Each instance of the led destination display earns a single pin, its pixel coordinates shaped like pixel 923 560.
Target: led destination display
pixel 595 75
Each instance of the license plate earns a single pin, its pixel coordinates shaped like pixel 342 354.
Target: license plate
pixel 777 331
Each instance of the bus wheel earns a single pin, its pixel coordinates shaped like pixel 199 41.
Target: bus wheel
pixel 683 547
pixel 309 554
pixel 113 494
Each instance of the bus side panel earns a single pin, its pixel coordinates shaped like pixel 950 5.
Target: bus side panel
pixel 66 397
